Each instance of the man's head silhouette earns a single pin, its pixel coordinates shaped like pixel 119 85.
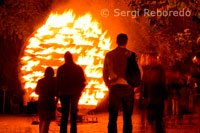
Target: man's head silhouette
pixel 49 72
pixel 122 39
pixel 68 57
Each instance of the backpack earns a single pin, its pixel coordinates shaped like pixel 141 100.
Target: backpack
pixel 132 75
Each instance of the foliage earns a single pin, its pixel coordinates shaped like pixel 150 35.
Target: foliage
pixel 18 18
pixel 165 5
pixel 174 38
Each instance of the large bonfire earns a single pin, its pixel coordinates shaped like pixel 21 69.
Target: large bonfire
pixel 83 37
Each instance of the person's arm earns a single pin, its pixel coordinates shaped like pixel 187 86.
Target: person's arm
pixel 106 71
pixel 55 87
pixel 58 80
pixel 82 78
pixel 138 74
pixel 37 90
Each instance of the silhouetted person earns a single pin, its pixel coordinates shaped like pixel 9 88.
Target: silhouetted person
pixel 46 89
pixel 115 77
pixel 155 92
pixel 70 83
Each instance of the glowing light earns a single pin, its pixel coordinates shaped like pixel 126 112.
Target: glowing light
pixel 83 37
pixel 194 59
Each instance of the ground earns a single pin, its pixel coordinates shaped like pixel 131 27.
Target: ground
pixel 173 124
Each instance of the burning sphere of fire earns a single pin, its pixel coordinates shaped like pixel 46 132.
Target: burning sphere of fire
pixel 82 36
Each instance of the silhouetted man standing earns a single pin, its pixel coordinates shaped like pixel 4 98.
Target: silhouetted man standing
pixel 70 83
pixel 114 75
pixel 155 92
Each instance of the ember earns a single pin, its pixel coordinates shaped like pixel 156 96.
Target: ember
pixel 83 37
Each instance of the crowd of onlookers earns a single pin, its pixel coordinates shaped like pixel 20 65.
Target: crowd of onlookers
pixel 183 94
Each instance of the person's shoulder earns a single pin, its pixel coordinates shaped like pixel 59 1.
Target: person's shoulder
pixel 131 54
pixel 115 51
pixel 60 68
pixel 111 52
pixel 49 79
pixel 129 51
pixel 78 67
pixel 41 80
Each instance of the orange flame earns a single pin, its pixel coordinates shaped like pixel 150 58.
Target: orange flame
pixel 83 37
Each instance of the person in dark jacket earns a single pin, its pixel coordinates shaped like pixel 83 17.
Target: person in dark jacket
pixel 46 89
pixel 70 83
pixel 155 92
pixel 115 75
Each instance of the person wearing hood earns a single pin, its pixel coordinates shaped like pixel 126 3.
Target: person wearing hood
pixel 70 83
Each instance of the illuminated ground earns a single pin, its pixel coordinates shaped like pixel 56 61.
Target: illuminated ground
pixel 22 124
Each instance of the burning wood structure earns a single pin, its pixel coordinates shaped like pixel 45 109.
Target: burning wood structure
pixel 82 36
